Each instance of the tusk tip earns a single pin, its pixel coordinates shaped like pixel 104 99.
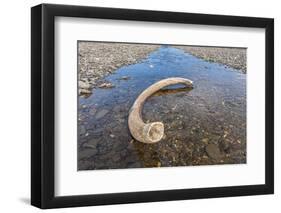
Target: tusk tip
pixel 153 132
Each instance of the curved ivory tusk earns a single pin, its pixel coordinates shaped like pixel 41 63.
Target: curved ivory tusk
pixel 150 132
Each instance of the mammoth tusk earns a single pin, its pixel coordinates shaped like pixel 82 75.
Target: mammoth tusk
pixel 150 132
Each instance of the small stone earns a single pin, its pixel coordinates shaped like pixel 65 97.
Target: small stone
pixel 84 91
pixel 86 153
pixel 112 136
pixel 205 140
pixel 101 113
pixel 213 151
pixel 116 158
pixel 91 144
pixel 84 85
pixel 225 134
pixel 130 146
pixel 97 132
pixel 225 146
pixel 166 111
pixel 106 85
pixel 93 111
pixel 82 130
pixel 124 78
pixel 117 108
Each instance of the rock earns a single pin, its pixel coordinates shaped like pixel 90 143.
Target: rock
pixel 213 151
pixel 89 146
pixel 130 146
pixel 106 85
pixel 92 144
pixel 205 140
pixel 84 85
pixel 215 139
pixel 86 153
pixel 117 108
pixel 225 146
pixel 119 146
pixel 97 132
pixel 101 113
pixel 176 124
pixel 82 130
pixel 93 111
pixel 84 92
pixel 125 78
pixel 147 155
pixel 116 158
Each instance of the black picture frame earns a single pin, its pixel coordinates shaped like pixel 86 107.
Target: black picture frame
pixel 43 105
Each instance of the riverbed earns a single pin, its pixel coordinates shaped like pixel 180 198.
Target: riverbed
pixel 203 126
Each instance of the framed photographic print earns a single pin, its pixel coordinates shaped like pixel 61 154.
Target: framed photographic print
pixel 138 106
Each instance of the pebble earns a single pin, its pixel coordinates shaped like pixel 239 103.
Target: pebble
pixel 213 151
pixel 125 78
pixel 205 140
pixel 106 85
pixel 82 130
pixel 93 111
pixel 101 113
pixel 93 143
pixel 84 85
pixel 86 153
pixel 84 91
pixel 116 158
pixel 90 146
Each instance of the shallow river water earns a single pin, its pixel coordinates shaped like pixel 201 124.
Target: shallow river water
pixel 203 126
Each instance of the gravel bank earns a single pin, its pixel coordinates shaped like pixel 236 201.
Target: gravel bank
pixel 96 60
pixel 233 57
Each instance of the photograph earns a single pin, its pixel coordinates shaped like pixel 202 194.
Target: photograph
pixel 146 105
pixel 132 105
